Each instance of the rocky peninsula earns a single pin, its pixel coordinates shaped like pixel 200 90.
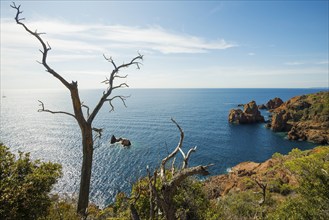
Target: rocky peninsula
pixel 304 117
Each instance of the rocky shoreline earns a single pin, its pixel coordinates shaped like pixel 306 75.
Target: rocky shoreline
pixel 303 117
pixel 273 174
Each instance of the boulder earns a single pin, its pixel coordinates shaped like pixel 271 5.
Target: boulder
pixel 250 114
pixel 237 116
pixel 113 139
pixel 123 141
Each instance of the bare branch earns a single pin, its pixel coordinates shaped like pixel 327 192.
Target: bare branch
pixel 114 74
pixel 87 107
pixel 122 98
pixel 184 173
pixel 98 131
pixel 186 158
pixel 120 86
pixel 121 77
pixel 173 166
pixel 110 60
pixel 164 161
pixel 42 109
pixel 45 49
pixel 106 81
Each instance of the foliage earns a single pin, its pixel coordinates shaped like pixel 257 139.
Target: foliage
pixel 62 208
pixel 312 170
pixel 190 200
pixel 25 185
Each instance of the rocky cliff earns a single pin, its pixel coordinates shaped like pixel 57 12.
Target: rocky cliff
pixel 304 117
pixel 273 174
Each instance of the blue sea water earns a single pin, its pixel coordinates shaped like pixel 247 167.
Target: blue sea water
pixel 202 113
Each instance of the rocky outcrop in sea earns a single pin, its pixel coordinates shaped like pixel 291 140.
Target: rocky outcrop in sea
pixel 250 114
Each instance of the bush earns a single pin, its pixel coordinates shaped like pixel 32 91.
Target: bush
pixel 190 200
pixel 25 185
pixel 312 201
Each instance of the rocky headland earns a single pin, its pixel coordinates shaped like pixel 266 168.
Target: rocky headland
pixel 304 117
pixel 243 177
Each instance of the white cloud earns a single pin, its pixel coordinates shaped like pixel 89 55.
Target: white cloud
pixel 98 37
pixel 251 54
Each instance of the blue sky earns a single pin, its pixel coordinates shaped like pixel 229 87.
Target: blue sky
pixel 186 44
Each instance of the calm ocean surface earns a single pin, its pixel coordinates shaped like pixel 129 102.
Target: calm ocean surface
pixel 202 113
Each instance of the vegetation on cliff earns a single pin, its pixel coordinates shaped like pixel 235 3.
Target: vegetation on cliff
pixel 304 117
pixel 293 186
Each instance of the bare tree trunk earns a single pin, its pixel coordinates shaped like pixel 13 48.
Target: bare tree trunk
pixel 87 145
pixel 87 151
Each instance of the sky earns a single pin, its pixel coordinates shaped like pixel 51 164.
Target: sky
pixel 186 44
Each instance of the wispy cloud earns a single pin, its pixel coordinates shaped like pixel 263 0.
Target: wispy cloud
pixel 251 54
pixel 298 63
pixel 323 62
pixel 295 63
pixel 96 37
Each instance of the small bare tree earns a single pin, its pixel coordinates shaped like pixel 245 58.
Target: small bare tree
pixel 171 179
pixel 86 119
pixel 263 186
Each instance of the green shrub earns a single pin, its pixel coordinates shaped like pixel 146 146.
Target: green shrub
pixel 312 201
pixel 25 185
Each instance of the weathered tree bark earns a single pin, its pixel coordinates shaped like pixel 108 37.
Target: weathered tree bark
pixel 87 159
pixel 84 122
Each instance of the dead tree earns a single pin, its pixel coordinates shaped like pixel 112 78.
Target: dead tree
pixel 171 179
pixel 263 186
pixel 84 119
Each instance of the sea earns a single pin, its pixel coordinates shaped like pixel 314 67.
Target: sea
pixel 146 122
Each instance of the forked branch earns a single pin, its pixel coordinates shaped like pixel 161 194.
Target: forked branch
pixel 122 98
pixel 172 154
